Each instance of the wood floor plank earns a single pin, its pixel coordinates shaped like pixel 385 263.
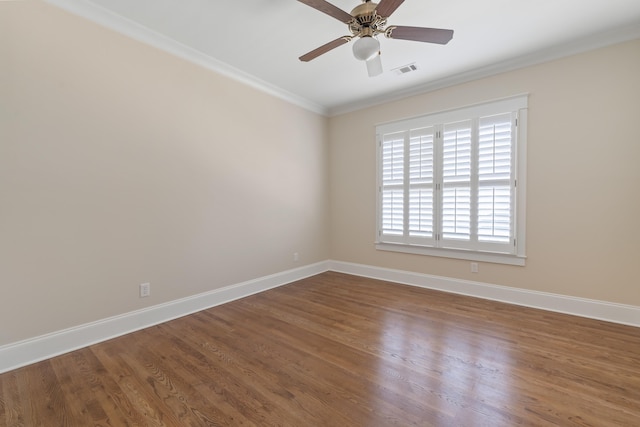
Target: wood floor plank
pixel 76 392
pixel 239 377
pixel 259 357
pixel 340 350
pixel 305 360
pixel 11 410
pixel 344 361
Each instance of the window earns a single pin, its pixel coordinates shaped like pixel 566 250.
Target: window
pixel 452 183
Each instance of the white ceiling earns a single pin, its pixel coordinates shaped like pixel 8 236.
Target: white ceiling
pixel 259 41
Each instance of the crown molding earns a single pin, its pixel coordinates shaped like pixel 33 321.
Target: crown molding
pixel 122 25
pixel 136 31
pixel 585 44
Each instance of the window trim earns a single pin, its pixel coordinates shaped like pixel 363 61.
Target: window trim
pixel 517 104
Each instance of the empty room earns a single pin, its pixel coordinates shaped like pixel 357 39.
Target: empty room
pixel 319 213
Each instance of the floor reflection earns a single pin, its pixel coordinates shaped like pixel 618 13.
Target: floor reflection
pixel 446 367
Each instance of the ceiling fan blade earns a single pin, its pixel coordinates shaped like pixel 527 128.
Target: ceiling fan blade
pixel 329 9
pixel 325 48
pixel 419 34
pixel 387 7
pixel 374 66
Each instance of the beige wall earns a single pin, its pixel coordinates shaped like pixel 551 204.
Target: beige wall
pixel 583 237
pixel 120 164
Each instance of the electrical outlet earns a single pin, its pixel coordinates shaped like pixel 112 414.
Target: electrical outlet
pixel 474 267
pixel 296 257
pixel 145 290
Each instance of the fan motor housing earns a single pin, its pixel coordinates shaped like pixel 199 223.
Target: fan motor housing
pixel 365 20
pixel 365 13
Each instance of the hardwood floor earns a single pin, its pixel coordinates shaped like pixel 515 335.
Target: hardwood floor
pixel 339 350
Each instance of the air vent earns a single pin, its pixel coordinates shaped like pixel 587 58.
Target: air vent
pixel 405 69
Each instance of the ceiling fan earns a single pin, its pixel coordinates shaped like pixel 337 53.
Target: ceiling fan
pixel 366 22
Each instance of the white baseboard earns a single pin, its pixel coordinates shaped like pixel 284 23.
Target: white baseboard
pixel 16 355
pixel 594 309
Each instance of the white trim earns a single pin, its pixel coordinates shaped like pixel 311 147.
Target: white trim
pixel 593 309
pixel 489 107
pixel 16 355
pixel 127 27
pixel 511 251
pixel 113 21
pixel 495 258
pixel 586 44
pixel 521 187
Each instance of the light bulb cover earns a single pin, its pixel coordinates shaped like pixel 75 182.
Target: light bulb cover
pixel 366 48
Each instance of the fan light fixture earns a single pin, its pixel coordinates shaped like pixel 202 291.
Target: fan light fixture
pixel 366 48
pixel 365 23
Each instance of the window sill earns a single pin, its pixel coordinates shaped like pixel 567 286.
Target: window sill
pixel 495 258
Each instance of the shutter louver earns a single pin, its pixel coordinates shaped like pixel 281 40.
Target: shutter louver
pixel 393 212
pixel 392 184
pixel 421 158
pixel 456 181
pixel 494 214
pixel 494 178
pixel 456 213
pixel 393 159
pixel 456 159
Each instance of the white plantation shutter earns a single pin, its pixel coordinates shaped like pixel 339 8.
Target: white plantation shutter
pixel 456 181
pixel 393 212
pixel 407 185
pixel 393 184
pixel 495 175
pixel 421 183
pixel 456 213
pixel 494 214
pixel 448 181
